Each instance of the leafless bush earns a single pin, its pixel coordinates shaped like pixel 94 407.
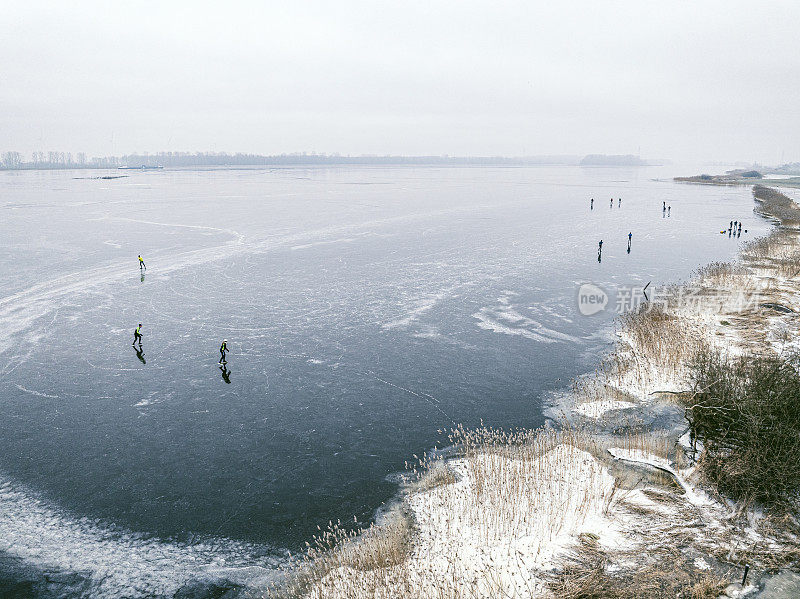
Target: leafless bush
pixel 746 412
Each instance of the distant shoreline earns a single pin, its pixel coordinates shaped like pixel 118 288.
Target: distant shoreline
pixel 183 160
pixel 740 178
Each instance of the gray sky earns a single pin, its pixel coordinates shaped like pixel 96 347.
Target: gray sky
pixel 695 80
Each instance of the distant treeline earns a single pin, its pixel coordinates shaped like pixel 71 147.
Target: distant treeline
pixel 791 168
pixel 66 160
pixel 613 160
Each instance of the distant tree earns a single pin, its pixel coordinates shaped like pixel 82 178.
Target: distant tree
pixel 12 159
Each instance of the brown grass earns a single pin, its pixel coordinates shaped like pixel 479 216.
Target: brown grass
pixel 660 573
pixel 373 549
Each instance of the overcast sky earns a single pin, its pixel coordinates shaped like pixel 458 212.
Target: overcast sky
pixel 683 80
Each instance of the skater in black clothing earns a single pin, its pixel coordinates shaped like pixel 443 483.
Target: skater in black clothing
pixel 137 335
pixel 141 263
pixel 223 349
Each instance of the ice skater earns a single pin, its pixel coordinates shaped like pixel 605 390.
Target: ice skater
pixel 669 208
pixel 612 202
pixel 630 236
pixel 591 204
pixel 619 202
pixel 137 335
pixel 223 349
pixel 665 206
pixel 142 265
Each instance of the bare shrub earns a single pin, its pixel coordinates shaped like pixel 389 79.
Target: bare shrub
pixel 746 412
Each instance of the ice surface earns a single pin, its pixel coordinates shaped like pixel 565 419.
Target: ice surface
pixel 365 309
pixel 118 562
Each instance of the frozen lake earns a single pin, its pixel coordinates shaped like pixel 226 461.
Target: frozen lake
pixel 365 309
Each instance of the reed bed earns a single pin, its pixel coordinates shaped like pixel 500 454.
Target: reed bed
pixel 776 254
pixel 656 443
pixel 721 275
pixel 519 498
pixel 661 345
pixel 777 205
pixel 664 573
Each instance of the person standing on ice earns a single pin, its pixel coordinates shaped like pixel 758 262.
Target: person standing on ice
pixel 137 335
pixel 223 349
pixel 141 263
